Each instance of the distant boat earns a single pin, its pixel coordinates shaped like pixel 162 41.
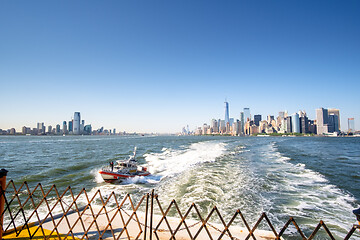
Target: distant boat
pixel 334 134
pixel 123 169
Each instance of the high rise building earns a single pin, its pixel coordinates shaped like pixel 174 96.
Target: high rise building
pixel 82 125
pixel 333 123
pixel 214 126
pixel 312 126
pixel 227 120
pixel 304 124
pixel 71 127
pixel 25 130
pixel 205 129
pixel 231 121
pixel 280 121
pixel 257 119
pixel 295 123
pixel 236 128
pixel 269 119
pixel 57 128
pixel 76 124
pixel 41 128
pixel 322 121
pixel 64 127
pixel 242 123
pixel 247 115
pixel 222 126
pixel 87 129
pixel 262 125
pixel 12 131
pixel 282 125
pixel 288 124
pixel 337 113
pixel 327 121
pixel 351 125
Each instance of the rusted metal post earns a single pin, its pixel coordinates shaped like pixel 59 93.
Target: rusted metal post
pixel 151 213
pixel 146 214
pixel 3 174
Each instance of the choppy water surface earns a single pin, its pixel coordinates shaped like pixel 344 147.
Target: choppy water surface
pixel 310 178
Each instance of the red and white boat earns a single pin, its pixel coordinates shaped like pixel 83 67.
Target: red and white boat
pixel 123 169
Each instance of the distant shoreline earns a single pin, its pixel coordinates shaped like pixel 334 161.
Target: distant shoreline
pixel 173 134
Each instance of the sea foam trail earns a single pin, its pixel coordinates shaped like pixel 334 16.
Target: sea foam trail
pixel 165 165
pixel 310 195
pixel 171 162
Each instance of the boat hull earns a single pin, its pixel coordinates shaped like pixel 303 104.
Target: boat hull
pixel 110 176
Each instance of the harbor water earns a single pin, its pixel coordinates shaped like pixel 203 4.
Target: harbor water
pixel 308 178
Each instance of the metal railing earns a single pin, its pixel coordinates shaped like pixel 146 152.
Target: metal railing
pixel 39 214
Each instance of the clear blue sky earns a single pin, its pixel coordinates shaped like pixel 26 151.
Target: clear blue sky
pixel 156 66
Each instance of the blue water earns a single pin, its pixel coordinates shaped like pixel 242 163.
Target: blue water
pixel 309 178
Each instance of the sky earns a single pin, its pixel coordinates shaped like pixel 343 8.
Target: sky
pixel 157 66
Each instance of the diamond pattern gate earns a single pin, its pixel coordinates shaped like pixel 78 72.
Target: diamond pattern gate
pixel 34 213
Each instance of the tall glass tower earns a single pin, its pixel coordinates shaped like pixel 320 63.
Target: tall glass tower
pixel 242 123
pixel 247 115
pixel 295 123
pixel 351 125
pixel 76 124
pixel 227 120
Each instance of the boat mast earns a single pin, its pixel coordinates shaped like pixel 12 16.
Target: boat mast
pixel 134 152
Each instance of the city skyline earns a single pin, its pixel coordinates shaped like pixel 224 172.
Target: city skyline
pixel 326 123
pixel 159 66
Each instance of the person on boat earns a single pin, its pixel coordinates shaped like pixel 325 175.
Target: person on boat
pixel 112 165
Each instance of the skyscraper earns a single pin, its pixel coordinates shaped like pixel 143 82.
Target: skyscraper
pixel 295 123
pixel 71 126
pixel 242 123
pixel 222 126
pixel 214 125
pixel 257 119
pixel 82 125
pixel 333 123
pixel 231 121
pixel 304 122
pixel 87 129
pixel 322 120
pixel 76 124
pixel 247 115
pixel 270 119
pixel 351 125
pixel 227 120
pixel 337 113
pixel 288 124
pixel 57 128
pixel 41 128
pixel 64 127
pixel 327 121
